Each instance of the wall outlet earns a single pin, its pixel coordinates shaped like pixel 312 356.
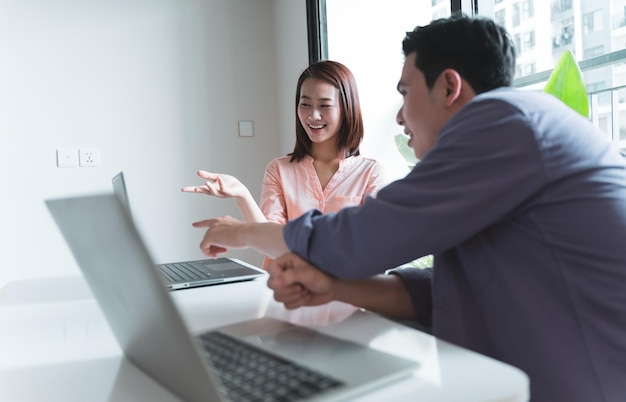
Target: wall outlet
pixel 67 157
pixel 89 157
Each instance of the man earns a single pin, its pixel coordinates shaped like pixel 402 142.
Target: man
pixel 521 201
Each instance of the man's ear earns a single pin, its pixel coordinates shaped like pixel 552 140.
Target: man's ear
pixel 453 83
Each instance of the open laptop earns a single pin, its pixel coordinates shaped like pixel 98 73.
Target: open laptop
pixel 118 268
pixel 189 274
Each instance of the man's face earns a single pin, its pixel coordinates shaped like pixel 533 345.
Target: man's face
pixel 424 111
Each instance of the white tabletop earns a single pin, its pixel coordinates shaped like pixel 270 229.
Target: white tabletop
pixel 55 345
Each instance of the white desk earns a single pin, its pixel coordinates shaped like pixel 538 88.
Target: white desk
pixel 55 345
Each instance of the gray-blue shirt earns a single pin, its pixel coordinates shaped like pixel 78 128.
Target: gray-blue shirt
pixel 523 204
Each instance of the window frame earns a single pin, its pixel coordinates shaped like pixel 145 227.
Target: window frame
pixel 317 33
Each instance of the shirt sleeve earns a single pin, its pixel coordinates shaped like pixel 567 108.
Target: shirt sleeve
pixel 378 180
pixel 419 284
pixel 272 195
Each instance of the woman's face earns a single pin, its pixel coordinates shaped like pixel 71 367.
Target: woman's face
pixel 319 110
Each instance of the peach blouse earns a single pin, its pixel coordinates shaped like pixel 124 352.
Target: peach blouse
pixel 293 188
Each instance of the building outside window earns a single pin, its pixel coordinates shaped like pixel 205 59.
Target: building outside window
pixel 529 41
pixel 591 29
pixel 593 21
pixel 527 9
pixel 517 42
pixel 560 6
pixel 566 35
pixel 593 52
pixel 500 17
pixel 530 68
pixel 604 97
pixel 516 15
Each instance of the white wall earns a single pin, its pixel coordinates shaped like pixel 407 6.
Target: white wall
pixel 293 55
pixel 158 86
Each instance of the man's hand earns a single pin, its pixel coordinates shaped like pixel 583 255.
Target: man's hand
pixel 297 283
pixel 222 233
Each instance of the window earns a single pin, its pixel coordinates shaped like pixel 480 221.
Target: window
pixel 567 33
pixel 566 5
pixel 592 22
pixel 500 17
pixel 529 40
pixel 517 42
pixel 441 13
pixel 560 6
pixel 527 9
pixel 541 32
pixel 598 89
pixel 618 20
pixel 516 14
pixel 530 68
pixel 565 36
pixel 593 52
pixel 376 61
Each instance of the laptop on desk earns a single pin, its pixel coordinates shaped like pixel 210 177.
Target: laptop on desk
pixel 189 274
pixel 256 360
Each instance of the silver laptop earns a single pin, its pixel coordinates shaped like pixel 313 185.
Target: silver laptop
pixel 263 359
pixel 189 274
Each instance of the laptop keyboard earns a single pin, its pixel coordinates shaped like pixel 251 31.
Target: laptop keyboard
pixel 182 271
pixel 251 374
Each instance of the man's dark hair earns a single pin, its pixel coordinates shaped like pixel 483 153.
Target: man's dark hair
pixel 477 48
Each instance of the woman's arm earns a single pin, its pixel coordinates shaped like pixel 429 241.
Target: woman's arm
pixel 227 186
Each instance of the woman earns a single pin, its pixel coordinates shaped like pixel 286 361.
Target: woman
pixel 325 171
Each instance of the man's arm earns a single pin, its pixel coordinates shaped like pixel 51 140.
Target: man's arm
pixel 382 294
pixel 297 283
pixel 226 233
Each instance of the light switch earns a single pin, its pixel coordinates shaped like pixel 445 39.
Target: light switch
pixel 246 128
pixel 67 157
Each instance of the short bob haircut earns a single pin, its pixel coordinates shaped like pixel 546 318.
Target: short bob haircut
pixel 351 129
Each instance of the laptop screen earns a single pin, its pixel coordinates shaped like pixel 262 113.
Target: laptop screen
pixel 119 188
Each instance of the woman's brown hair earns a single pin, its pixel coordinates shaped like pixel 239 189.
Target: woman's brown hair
pixel 351 129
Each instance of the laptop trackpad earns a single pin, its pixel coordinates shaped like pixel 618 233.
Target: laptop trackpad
pixel 296 342
pixel 328 354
